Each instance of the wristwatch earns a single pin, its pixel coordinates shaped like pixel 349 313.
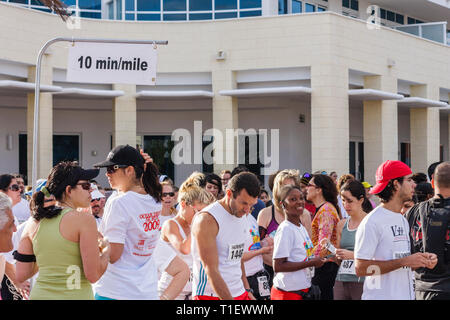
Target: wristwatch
pixel 249 290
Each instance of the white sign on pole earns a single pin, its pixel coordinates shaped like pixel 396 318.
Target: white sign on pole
pixel 112 63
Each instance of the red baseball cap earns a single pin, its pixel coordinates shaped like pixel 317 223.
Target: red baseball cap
pixel 387 171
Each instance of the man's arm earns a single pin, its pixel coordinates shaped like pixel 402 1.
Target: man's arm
pixel 377 267
pixel 204 231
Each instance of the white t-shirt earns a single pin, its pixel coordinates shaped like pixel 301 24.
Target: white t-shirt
pixel 131 219
pixel 21 210
pixel 292 242
pixel 253 242
pixel 384 235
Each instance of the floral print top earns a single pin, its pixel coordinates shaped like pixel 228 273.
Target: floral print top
pixel 324 225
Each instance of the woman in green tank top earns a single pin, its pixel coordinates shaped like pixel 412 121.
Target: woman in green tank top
pixel 348 286
pixel 60 242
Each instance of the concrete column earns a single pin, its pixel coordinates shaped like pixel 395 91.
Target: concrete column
pixel 225 117
pixel 380 126
pixel 124 116
pixel 424 126
pixel 329 118
pixel 45 129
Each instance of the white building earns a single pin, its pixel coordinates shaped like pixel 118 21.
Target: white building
pixel 345 93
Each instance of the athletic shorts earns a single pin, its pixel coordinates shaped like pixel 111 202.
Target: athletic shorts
pixel 243 296
pixel 277 294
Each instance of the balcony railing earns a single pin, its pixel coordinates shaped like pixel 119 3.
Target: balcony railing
pixel 434 31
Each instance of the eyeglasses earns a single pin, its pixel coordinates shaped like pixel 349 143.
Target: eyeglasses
pixel 112 169
pixel 170 194
pixel 14 187
pixel 311 185
pixel 85 185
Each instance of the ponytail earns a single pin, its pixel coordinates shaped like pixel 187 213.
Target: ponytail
pixel 38 211
pixel 357 190
pixel 150 181
pixel 367 205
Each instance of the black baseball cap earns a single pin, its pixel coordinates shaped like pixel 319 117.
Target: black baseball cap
pixel 122 155
pixel 84 174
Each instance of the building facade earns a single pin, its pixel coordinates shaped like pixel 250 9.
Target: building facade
pixel 318 90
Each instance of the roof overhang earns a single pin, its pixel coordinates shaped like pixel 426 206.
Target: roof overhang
pixel 174 94
pixel 372 94
pixel 417 102
pixel 15 87
pixel 267 92
pixel 88 93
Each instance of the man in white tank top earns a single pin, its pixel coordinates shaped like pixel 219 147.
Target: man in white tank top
pixel 219 233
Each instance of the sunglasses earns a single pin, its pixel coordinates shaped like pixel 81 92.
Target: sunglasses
pixel 170 194
pixel 112 169
pixel 312 185
pixel 85 185
pixel 14 187
pixel 93 200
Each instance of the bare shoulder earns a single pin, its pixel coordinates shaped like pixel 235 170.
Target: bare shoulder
pixel 341 224
pixel 264 217
pixel 80 219
pixel 204 221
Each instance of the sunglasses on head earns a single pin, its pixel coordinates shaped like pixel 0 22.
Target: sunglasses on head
pixel 85 185
pixel 113 168
pixel 14 187
pixel 170 194
pixel 306 175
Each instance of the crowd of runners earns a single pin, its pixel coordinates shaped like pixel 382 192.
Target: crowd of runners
pixel 310 236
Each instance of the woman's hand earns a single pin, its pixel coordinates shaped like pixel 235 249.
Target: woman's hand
pixel 23 288
pixel 146 157
pixel 343 254
pixel 317 262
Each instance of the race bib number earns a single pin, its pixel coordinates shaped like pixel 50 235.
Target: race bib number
pixel 263 286
pixel 347 267
pixel 235 252
pixel 400 254
pixel 309 273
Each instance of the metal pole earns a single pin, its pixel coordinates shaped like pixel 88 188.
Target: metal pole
pixel 38 85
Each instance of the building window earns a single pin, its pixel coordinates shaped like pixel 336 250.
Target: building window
pixel 296 6
pixel 310 7
pixel 405 153
pixel 399 18
pixel 200 16
pixel 346 3
pixel 248 4
pixel 149 17
pixel 129 5
pixel 148 5
pixel 200 5
pixel 321 9
pixel 225 4
pixel 225 15
pixel 354 5
pixel 174 17
pixel 174 5
pixel 246 14
pixel 160 147
pixel 390 16
pixel 282 7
